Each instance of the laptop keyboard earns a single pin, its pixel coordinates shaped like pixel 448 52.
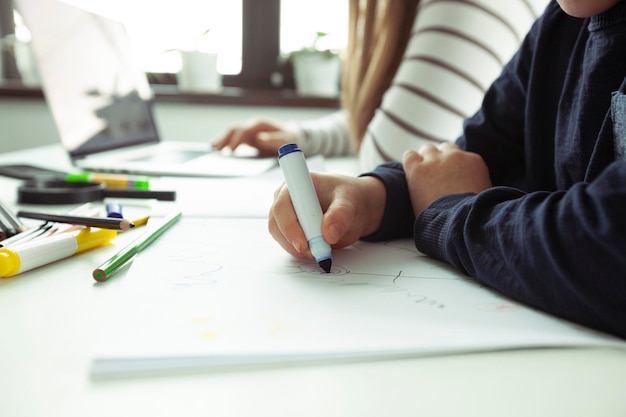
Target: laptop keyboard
pixel 171 157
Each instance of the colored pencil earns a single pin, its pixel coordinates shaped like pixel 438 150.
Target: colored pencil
pixel 113 264
pixel 101 222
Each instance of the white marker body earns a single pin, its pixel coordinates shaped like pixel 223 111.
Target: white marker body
pixel 39 252
pixel 305 202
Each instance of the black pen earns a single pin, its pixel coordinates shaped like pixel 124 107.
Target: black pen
pixel 101 222
pixel 26 236
pixel 4 231
pixel 9 223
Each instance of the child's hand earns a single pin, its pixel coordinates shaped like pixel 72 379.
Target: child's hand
pixel 353 207
pixel 435 171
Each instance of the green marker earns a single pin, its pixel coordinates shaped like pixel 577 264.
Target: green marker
pixel 110 180
pixel 109 267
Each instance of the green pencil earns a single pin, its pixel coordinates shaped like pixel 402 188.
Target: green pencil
pixel 109 267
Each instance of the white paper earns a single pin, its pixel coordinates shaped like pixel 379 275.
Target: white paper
pixel 220 292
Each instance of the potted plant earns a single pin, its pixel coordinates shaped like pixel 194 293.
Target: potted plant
pixel 198 72
pixel 23 57
pixel 316 71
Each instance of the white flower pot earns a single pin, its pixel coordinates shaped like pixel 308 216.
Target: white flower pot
pixel 317 74
pixel 199 73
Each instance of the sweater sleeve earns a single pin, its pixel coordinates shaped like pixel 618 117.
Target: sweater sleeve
pixel 556 251
pixel 329 135
pixel 398 218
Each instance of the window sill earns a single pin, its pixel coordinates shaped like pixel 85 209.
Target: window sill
pixel 229 96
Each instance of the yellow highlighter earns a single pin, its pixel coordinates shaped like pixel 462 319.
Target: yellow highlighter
pixel 32 254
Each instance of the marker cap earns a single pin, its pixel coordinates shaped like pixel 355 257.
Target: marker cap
pixel 9 263
pixel 287 149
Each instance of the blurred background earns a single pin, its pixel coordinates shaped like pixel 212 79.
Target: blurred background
pixel 252 42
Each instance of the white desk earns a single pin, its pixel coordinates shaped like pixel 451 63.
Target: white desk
pixel 51 316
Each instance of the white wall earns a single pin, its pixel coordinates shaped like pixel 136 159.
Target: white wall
pixel 26 123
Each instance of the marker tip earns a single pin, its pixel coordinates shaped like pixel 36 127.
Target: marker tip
pixel 325 264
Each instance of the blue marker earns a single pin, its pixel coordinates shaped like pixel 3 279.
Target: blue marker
pixel 114 209
pixel 305 202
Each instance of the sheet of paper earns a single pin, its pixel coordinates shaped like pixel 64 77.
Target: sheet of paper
pixel 220 292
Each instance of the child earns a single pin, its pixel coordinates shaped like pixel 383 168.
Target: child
pixel 532 202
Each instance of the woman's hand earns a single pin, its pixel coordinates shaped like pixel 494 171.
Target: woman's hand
pixel 435 171
pixel 263 134
pixel 353 207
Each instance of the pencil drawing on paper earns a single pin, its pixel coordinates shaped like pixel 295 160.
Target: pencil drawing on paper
pixel 343 277
pixel 198 268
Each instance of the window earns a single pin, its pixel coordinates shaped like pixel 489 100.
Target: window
pixel 158 30
pixel 300 20
pixel 248 35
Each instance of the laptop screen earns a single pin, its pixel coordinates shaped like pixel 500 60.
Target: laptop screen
pixel 99 97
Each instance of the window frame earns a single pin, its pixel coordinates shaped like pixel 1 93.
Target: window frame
pixel 260 47
pixel 8 71
pixel 260 50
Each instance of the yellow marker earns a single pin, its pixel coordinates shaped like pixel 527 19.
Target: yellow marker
pixel 32 254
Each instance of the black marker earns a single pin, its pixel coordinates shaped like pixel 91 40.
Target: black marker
pixel 9 223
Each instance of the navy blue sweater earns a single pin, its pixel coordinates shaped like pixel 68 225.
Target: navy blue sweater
pixel 551 233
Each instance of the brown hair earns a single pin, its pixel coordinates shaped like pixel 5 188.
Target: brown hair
pixel 378 33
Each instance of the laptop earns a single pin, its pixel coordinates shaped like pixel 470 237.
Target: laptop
pixel 101 101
